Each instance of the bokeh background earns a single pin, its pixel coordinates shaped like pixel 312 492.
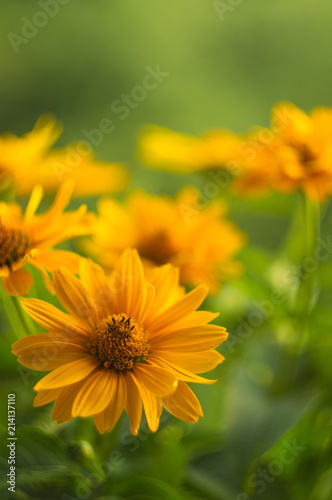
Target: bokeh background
pixel 266 433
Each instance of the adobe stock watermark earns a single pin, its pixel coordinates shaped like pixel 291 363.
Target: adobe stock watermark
pixel 224 7
pixel 263 476
pixel 31 27
pixel 122 107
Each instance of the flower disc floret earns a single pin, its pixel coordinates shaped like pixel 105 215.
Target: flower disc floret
pixel 119 342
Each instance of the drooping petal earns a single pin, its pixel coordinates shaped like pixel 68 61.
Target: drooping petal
pixel 44 397
pixel 69 373
pixel 62 410
pixel 152 405
pixel 156 379
pixel 107 419
pixel 53 259
pixel 95 393
pixel 17 282
pixel 183 404
pixel 133 404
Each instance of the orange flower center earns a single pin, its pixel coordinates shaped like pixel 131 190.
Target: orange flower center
pixel 158 248
pixel 13 245
pixel 119 342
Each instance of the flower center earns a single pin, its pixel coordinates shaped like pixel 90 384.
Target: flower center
pixel 158 248
pixel 13 245
pixel 119 342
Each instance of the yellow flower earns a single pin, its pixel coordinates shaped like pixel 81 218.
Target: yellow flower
pixel 29 160
pixel 162 148
pixel 296 153
pixel 29 238
pixel 125 342
pixel 197 238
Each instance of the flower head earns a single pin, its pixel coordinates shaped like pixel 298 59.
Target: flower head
pixel 295 154
pixel 126 343
pixel 29 160
pixel 197 238
pixel 29 238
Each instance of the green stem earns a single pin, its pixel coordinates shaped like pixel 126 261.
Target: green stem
pixel 306 295
pixel 14 319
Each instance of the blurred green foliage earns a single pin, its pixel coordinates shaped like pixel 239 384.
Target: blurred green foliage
pixel 270 393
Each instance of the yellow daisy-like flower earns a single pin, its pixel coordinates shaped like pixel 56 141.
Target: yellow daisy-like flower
pixel 162 148
pixel 29 238
pixel 29 160
pixel 296 153
pixel 197 238
pixel 125 342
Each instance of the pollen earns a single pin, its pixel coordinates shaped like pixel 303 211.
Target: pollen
pixel 14 245
pixel 119 342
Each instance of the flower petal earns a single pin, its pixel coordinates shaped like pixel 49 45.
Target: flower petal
pixel 178 311
pixel 95 393
pixel 17 282
pixel 44 397
pixel 133 404
pixel 152 405
pixel 183 404
pixel 180 373
pixel 69 373
pixel 51 318
pixel 97 284
pixel 48 356
pixel 107 419
pixel 74 297
pixel 62 411
pixel 195 362
pixel 197 338
pixel 156 379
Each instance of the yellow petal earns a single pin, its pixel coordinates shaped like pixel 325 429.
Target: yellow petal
pixel 33 204
pixel 127 283
pixel 133 404
pixel 53 259
pixel 69 373
pixel 152 405
pixel 178 311
pixel 17 282
pixel 183 404
pixel 48 356
pixel 157 380
pixel 47 338
pixel 196 338
pixel 147 302
pixel 195 362
pixel 74 297
pixel 4 272
pixel 51 318
pixel 95 393
pixel 180 373
pixel 44 397
pixel 97 284
pixel 107 419
pixel 62 411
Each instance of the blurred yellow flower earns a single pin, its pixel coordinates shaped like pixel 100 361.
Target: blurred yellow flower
pixel 196 237
pixel 28 160
pixel 295 154
pixel 29 238
pixel 162 148
pixel 126 341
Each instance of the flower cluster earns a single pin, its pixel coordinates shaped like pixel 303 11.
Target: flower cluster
pixel 131 337
pixel 294 154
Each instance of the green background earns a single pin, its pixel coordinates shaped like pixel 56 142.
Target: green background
pixel 222 73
